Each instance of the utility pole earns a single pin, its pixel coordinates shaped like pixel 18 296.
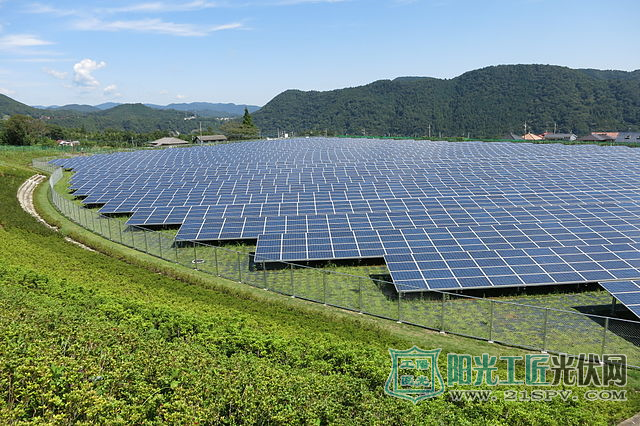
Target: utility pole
pixel 525 127
pixel 429 130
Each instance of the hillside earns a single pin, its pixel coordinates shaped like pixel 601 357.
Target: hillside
pixel 203 109
pixel 131 117
pixel 207 109
pixel 128 117
pixel 10 106
pixel 70 107
pixel 488 102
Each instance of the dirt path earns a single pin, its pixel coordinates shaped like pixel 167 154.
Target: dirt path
pixel 633 421
pixel 25 198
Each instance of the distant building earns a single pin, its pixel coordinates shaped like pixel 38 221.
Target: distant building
pixel 68 143
pixel 612 135
pixel 209 138
pixel 628 137
pixel 513 137
pixel 560 137
pixel 597 137
pixel 168 142
pixel 532 137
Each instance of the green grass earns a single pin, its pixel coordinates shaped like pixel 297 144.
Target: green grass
pixel 123 337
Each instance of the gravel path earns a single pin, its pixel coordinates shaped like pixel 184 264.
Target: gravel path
pixel 25 198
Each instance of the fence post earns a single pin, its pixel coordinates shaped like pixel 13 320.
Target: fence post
pixel 239 267
pixel 399 307
pixel 109 220
pixel 215 259
pixel 491 309
pixel 175 246
pixel 146 246
pixel 264 275
pixel 195 256
pixel 604 338
pixel 444 299
pixel 360 294
pixel 324 287
pixel 120 230
pixel 160 243
pixel 544 331
pixel 293 287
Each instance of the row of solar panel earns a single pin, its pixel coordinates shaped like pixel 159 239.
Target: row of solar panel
pixel 449 268
pixel 433 181
pixel 205 226
pixel 615 234
pixel 135 201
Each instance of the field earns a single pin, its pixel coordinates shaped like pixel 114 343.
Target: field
pixel 124 337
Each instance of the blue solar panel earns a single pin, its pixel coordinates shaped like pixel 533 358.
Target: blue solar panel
pixel 627 292
pixel 497 214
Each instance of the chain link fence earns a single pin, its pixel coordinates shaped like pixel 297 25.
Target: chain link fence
pixel 506 322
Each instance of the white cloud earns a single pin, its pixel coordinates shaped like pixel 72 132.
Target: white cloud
pixel 160 7
pixel 112 91
pixel 44 9
pixel 181 97
pixel 82 72
pixel 60 75
pixel 164 92
pixel 153 25
pixel 15 41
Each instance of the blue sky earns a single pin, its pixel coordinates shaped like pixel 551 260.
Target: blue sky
pixel 248 51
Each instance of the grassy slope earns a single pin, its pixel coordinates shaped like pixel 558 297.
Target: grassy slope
pixel 88 337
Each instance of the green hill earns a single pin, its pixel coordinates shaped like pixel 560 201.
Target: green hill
pixel 128 117
pixel 10 106
pixel 488 102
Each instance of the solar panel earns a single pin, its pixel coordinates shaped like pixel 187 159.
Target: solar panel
pixel 627 292
pixel 324 198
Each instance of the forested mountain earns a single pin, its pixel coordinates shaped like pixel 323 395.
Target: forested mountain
pixel 489 102
pixel 133 117
pixel 70 107
pixel 207 109
pixel 10 106
pixel 127 117
pixel 202 109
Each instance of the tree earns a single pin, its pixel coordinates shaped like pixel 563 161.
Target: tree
pixel 247 120
pixel 22 130
pixel 244 129
pixel 238 130
pixel 55 132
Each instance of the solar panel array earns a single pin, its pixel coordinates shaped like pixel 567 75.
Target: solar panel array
pixel 443 215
